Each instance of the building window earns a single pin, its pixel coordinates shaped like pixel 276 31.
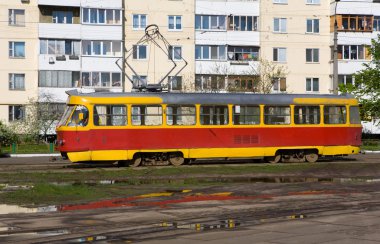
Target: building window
pixel 312 26
pixel 139 21
pixel 279 25
pixel 139 81
pixel 63 17
pixel 17 49
pixel 210 22
pixel 175 22
pixel 59 47
pixel 58 78
pixel 175 53
pixel 243 53
pixel 101 79
pixel 242 23
pixel 346 79
pixel 175 83
pixel 280 1
pixel 139 52
pixel 101 48
pixel 16 81
pixel 16 17
pixel 210 52
pixel 312 55
pixel 313 2
pixel 376 23
pixel 244 83
pixel 353 52
pixel 279 54
pixel 354 22
pixel 210 82
pixel 101 16
pixel 16 112
pixel 312 84
pixel 279 84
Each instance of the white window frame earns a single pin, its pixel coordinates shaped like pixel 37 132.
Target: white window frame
pixel 11 108
pixel 100 81
pixel 102 44
pixel 278 50
pixel 139 27
pixel 12 17
pixel 344 78
pixel 312 80
pixel 172 50
pixel 11 51
pixel 313 25
pixel 65 21
pixel 12 86
pixel 114 20
pixel 172 79
pixel 280 1
pixel 282 25
pixel 175 19
pixel 138 52
pixel 313 2
pixel 350 52
pixel 313 56
pixel 203 47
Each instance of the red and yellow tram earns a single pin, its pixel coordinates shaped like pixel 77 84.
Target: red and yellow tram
pixel 153 127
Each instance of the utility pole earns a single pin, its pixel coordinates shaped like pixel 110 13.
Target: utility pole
pixel 123 49
pixel 335 54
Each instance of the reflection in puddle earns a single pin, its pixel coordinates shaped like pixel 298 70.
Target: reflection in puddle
pixel 15 209
pixel 39 233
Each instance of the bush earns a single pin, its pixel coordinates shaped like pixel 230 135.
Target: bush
pixel 7 136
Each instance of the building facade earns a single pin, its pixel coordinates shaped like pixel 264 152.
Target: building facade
pixel 148 63
pixel 18 57
pixel 227 45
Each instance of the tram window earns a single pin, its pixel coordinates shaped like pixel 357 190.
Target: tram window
pixel 180 115
pixel 214 115
pixel 110 115
pixel 146 115
pixel 277 115
pixel 307 115
pixel 335 114
pixel 68 111
pixel 246 115
pixel 354 115
pixel 79 116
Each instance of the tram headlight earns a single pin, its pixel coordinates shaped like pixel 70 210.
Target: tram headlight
pixel 61 142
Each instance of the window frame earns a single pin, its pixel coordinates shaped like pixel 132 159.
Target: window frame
pixel 12 113
pixel 278 49
pixel 175 22
pixel 142 116
pixel 282 25
pixel 307 115
pixel 213 118
pixel 312 81
pixel 12 20
pixel 325 114
pixel 176 115
pixel 236 115
pixel 12 82
pixel 313 54
pixel 313 26
pixel 12 50
pixel 139 25
pixel 267 115
pixel 110 116
pixel 136 50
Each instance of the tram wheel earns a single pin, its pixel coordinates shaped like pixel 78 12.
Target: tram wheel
pixel 274 159
pixel 311 157
pixel 176 159
pixel 136 161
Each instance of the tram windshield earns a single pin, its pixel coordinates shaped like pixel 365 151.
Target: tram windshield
pixel 79 116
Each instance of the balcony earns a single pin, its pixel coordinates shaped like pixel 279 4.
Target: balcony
pixel 59 31
pixel 353 23
pixel 68 3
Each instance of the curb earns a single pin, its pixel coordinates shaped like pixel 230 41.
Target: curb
pixel 371 152
pixel 34 155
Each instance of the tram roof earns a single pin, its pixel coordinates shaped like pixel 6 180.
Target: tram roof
pixel 218 98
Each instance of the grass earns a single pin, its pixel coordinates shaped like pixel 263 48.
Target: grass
pixel 371 145
pixel 27 149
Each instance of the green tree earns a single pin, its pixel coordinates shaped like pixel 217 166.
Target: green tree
pixel 7 136
pixel 367 84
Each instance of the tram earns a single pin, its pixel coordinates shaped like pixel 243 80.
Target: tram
pixel 153 128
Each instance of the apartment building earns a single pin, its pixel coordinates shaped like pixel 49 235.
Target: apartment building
pixel 18 57
pixel 227 44
pixel 296 34
pixel 358 22
pixel 149 64
pixel 80 47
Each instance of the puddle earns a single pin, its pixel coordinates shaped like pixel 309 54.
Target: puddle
pixel 39 233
